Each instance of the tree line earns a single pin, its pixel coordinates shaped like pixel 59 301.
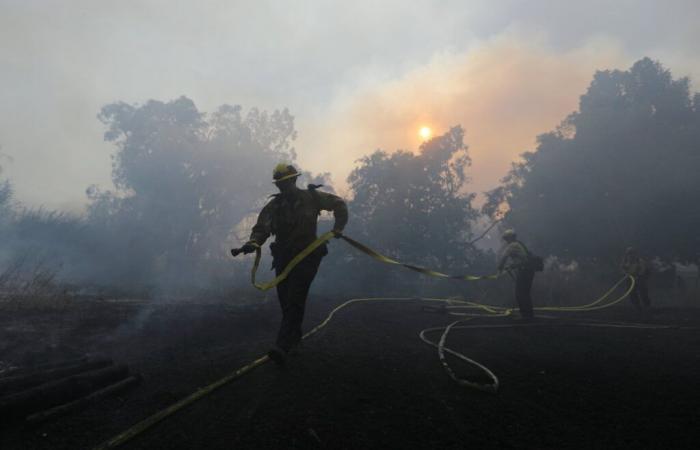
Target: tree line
pixel 619 171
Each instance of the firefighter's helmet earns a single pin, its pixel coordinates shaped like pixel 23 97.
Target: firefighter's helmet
pixel 284 172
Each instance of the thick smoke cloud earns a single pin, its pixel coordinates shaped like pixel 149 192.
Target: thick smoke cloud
pixel 505 92
pixel 61 62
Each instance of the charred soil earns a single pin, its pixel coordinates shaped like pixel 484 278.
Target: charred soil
pixel 367 381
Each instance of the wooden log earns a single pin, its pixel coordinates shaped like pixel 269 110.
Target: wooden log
pixel 15 371
pixel 84 402
pixel 18 406
pixel 11 372
pixel 21 382
pixel 55 365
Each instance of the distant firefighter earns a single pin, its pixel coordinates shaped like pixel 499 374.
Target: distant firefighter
pixel 291 216
pixel 516 258
pixel 636 266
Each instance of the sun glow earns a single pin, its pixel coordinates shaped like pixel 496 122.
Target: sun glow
pixel 425 133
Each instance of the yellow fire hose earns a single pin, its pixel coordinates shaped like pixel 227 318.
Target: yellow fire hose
pixel 364 249
pixel 486 310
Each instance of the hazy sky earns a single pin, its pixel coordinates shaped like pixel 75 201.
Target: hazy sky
pixel 358 75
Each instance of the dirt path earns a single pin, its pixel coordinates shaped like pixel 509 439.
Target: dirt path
pixel 368 382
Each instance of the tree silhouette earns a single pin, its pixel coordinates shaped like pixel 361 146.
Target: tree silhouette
pixel 622 170
pixel 414 206
pixel 184 180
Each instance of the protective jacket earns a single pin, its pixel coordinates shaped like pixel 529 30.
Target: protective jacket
pixel 635 266
pixel 514 256
pixel 293 218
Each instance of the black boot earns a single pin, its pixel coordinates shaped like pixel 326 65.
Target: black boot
pixel 278 356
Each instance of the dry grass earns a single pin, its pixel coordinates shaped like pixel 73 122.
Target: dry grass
pixel 31 282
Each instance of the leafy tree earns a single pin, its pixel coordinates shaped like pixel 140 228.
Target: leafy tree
pixel 184 179
pixel 6 209
pixel 414 207
pixel 622 170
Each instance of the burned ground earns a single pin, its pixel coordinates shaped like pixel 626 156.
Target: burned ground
pixel 367 381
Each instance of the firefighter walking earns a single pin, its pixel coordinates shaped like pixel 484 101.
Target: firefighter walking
pixel 292 217
pixel 516 258
pixel 634 265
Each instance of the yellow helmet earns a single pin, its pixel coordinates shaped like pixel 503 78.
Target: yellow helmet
pixel 509 234
pixel 283 172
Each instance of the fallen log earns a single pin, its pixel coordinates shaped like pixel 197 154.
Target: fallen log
pixel 27 370
pixel 18 406
pixel 21 382
pixel 83 402
pixel 57 364
pixel 12 371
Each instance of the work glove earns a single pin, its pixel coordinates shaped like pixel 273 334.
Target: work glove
pixel 248 247
pixel 337 233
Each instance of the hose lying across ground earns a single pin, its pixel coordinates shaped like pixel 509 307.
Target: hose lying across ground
pixel 475 310
pixel 466 309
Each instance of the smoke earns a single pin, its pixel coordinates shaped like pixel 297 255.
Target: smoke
pixel 504 92
pixel 62 62
pixel 356 76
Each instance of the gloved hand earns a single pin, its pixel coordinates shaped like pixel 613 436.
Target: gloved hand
pixel 337 233
pixel 248 247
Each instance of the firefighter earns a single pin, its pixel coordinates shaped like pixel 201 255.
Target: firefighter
pixel 291 216
pixel 515 258
pixel 634 265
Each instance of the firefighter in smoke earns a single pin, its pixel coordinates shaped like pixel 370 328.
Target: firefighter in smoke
pixel 517 259
pixel 291 216
pixel 634 265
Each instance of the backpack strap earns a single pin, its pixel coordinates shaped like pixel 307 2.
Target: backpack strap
pixel 527 252
pixel 314 195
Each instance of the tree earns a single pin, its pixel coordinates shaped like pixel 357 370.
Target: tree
pixel 620 171
pixel 184 180
pixel 414 206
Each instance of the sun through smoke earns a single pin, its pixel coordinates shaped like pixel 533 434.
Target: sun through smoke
pixel 425 133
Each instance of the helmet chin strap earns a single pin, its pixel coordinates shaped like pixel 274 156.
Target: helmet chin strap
pixel 287 187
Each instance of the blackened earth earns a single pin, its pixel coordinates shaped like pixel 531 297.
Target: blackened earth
pixel 367 381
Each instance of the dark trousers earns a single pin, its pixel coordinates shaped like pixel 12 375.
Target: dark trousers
pixel 640 293
pixel 292 293
pixel 523 285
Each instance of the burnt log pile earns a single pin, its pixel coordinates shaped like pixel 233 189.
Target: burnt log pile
pixel 37 394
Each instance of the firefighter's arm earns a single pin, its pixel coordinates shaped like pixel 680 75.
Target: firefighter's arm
pixel 504 258
pixel 502 263
pixel 260 233
pixel 628 266
pixel 262 228
pixel 330 202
